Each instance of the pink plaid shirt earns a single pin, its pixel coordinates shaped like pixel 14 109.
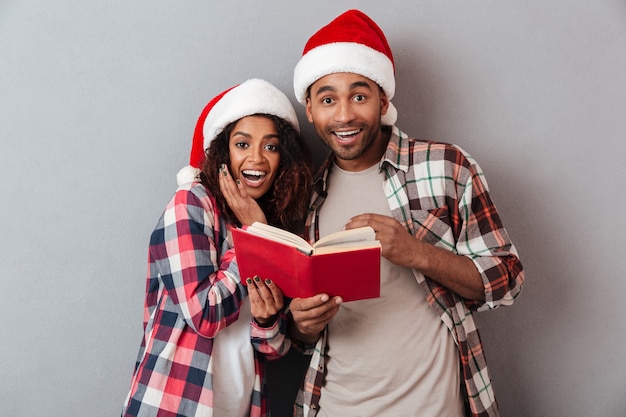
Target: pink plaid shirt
pixel 193 292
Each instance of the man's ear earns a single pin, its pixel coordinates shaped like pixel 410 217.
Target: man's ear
pixel 384 102
pixel 308 110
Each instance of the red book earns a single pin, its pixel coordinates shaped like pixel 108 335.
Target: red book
pixel 345 263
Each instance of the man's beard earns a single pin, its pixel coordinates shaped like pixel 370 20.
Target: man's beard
pixel 354 151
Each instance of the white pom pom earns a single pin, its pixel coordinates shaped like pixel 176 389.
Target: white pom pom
pixel 186 175
pixel 389 118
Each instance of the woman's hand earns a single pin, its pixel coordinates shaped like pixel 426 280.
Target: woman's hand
pixel 266 300
pixel 243 206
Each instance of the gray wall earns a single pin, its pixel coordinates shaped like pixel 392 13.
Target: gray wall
pixel 98 100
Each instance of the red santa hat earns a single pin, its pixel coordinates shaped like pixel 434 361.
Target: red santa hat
pixel 254 96
pixel 353 43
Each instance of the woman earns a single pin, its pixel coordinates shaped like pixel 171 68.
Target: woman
pixel 248 163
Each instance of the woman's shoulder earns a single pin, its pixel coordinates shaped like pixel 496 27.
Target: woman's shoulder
pixel 195 194
pixel 194 187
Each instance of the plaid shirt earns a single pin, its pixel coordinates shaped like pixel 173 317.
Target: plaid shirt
pixel 193 292
pixel 438 192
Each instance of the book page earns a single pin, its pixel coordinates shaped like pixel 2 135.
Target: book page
pixel 347 246
pixel 279 235
pixel 360 234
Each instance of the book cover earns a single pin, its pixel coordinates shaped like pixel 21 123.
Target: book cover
pixel 352 272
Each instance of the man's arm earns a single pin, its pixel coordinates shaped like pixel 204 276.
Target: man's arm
pixel 456 272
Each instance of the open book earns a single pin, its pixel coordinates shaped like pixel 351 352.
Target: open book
pixel 345 263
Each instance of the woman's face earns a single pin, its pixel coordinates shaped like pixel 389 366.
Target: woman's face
pixel 254 154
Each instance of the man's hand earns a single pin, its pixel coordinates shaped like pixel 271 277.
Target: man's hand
pixel 311 315
pixel 456 272
pixel 394 238
pixel 266 300
pixel 243 206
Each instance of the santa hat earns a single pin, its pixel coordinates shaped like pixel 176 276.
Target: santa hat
pixel 351 43
pixel 254 96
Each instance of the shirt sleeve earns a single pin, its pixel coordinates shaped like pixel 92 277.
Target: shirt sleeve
pixel 483 238
pixel 190 255
pixel 271 341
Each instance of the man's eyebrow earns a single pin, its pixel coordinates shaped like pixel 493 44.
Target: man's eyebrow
pixel 330 88
pixel 358 84
pixel 324 89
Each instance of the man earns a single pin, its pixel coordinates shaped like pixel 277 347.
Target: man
pixel 415 350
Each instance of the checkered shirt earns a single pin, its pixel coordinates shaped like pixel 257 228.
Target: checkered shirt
pixel 439 194
pixel 193 292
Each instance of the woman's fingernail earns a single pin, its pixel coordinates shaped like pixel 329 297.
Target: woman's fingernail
pixel 268 281
pixel 248 281
pixel 238 182
pixel 257 279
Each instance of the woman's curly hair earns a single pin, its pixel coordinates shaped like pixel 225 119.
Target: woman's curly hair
pixel 286 202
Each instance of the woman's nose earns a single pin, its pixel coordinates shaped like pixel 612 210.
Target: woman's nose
pixel 256 153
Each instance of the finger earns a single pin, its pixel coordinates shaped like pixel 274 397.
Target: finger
pixel 353 224
pixel 258 307
pixel 363 220
pixel 269 304
pixel 227 185
pixel 367 217
pixel 264 292
pixel 319 314
pixel 316 324
pixel 241 189
pixel 226 192
pixel 253 293
pixel 316 317
pixel 372 218
pixel 277 294
pixel 304 304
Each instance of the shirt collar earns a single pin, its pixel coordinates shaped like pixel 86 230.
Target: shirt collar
pixel 397 153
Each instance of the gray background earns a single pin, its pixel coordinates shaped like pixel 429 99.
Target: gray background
pixel 98 101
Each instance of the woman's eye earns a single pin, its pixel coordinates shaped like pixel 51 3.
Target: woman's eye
pixel 271 147
pixel 241 145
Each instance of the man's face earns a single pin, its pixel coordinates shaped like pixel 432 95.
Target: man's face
pixel 345 109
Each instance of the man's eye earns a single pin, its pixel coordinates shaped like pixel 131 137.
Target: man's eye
pixel 359 97
pixel 327 100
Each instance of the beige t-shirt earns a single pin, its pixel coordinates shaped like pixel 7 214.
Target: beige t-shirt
pixel 391 355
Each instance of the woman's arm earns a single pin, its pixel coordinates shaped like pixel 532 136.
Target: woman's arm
pixel 191 256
